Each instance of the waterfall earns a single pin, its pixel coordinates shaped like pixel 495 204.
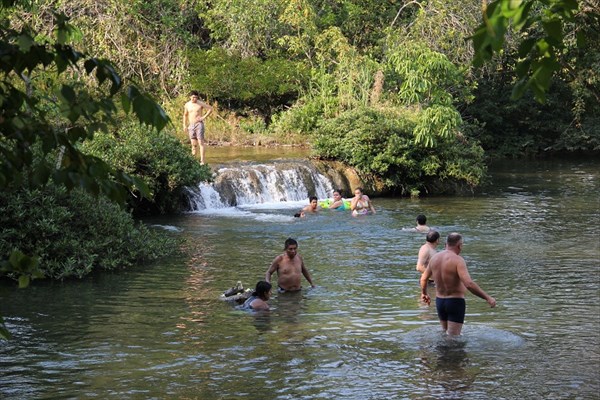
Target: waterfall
pixel 249 184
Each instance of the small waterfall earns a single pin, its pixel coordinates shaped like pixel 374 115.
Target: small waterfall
pixel 249 184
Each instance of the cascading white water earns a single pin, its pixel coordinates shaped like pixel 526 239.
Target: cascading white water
pixel 250 184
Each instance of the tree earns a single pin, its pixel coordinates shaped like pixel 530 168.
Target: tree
pixel 47 109
pixel 541 24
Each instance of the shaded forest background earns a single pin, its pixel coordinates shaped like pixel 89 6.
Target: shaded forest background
pixel 386 87
pixel 278 70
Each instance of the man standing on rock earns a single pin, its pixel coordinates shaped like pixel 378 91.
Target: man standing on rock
pixel 193 122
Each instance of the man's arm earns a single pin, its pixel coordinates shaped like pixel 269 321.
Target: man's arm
pixel 307 274
pixel 474 288
pixel 424 280
pixel 423 251
pixel 209 110
pixel 185 117
pixel 272 269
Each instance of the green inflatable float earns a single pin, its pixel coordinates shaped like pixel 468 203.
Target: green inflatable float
pixel 327 202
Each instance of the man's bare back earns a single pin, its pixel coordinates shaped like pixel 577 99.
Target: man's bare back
pixel 444 268
pixel 428 250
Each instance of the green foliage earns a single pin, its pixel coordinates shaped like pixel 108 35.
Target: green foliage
pixel 245 27
pixel 524 127
pixel 156 158
pixel 343 81
pixel 425 76
pixel 28 114
pixel 381 144
pixel 74 233
pixel 53 117
pixel 245 84
pixel 538 53
pixel 428 79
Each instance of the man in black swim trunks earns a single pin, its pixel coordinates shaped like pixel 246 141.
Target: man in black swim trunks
pixel 451 277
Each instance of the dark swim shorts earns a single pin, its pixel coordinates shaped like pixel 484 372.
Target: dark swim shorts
pixel 282 290
pixel 451 309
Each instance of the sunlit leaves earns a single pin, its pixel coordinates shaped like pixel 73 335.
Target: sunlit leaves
pixel 425 79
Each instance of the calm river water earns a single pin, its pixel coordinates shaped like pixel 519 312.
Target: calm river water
pixel 160 331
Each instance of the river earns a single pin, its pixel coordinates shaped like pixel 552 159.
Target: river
pixel 161 332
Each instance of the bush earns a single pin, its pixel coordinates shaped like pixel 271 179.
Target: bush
pixel 164 163
pixel 382 144
pixel 74 233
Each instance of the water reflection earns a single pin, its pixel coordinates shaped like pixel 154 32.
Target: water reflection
pixel 446 368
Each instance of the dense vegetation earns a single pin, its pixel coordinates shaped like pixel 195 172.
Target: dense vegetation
pixel 386 87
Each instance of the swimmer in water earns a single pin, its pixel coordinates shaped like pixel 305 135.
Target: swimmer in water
pixel 313 207
pixel 258 300
pixel 421 224
pixel 432 240
pixel 361 204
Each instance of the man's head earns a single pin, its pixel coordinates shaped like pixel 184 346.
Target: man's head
pixel 454 240
pixel 421 219
pixel 291 247
pixel 194 95
pixel 313 200
pixel 432 236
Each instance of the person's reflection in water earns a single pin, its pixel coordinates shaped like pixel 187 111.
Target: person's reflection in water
pixel 289 306
pixel 446 365
pixel 262 321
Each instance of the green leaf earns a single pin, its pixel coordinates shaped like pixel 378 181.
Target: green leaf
pixel 25 42
pixel 511 7
pixel 521 17
pixel 525 47
pixel 554 30
pixel 68 94
pixel 41 174
pixel 519 89
pixel 23 281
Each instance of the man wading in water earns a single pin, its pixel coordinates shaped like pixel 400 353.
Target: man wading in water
pixel 290 268
pixel 451 277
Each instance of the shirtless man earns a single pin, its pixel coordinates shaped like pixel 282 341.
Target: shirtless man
pixel 427 250
pixel 289 267
pixel 193 122
pixel 313 206
pixel 451 277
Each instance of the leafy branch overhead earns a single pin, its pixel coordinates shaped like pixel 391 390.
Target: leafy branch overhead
pixel 541 25
pixel 72 112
